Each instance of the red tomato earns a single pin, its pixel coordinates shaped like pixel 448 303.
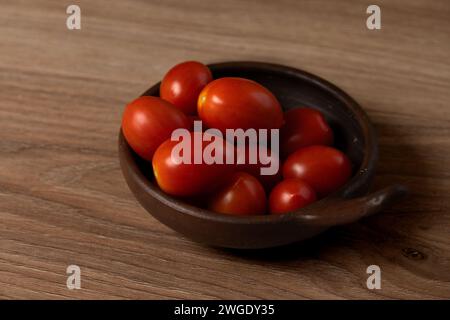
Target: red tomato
pixel 290 195
pixel 149 121
pixel 189 179
pixel 304 127
pixel 236 103
pixel 242 194
pixel 183 83
pixel 326 169
pixel 272 160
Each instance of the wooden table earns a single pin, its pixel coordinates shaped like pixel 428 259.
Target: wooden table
pixel 63 199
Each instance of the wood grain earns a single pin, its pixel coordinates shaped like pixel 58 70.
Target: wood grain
pixel 63 199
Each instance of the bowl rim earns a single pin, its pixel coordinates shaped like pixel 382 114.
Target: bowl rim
pixel 361 176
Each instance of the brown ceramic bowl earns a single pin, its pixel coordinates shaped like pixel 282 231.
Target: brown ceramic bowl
pixel 354 135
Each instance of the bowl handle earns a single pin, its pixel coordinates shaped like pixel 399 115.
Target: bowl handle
pixel 338 212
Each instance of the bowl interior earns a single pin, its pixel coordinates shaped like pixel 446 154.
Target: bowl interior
pixel 295 88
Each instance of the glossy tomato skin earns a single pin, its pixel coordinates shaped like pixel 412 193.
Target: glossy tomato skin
pixel 290 195
pixel 149 121
pixel 237 103
pixel 243 164
pixel 188 179
pixel 304 127
pixel 182 84
pixel 324 168
pixel 242 194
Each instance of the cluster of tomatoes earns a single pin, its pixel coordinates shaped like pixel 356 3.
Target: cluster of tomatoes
pixel 310 168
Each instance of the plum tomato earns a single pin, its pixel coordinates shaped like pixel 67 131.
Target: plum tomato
pixel 290 195
pixel 182 84
pixel 237 103
pixel 270 160
pixel 304 127
pixel 149 121
pixel 324 168
pixel 242 194
pixel 190 178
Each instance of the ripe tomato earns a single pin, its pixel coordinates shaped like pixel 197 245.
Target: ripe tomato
pixel 242 194
pixel 189 179
pixel 324 168
pixel 149 121
pixel 304 127
pixel 183 83
pixel 237 103
pixel 290 195
pixel 272 160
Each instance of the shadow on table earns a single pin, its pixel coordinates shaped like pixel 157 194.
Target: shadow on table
pixel 308 249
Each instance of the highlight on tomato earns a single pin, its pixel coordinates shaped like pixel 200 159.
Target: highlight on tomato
pixel 237 103
pixel 148 121
pixel 304 127
pixel 182 84
pixel 241 194
pixel 290 195
pixel 326 169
